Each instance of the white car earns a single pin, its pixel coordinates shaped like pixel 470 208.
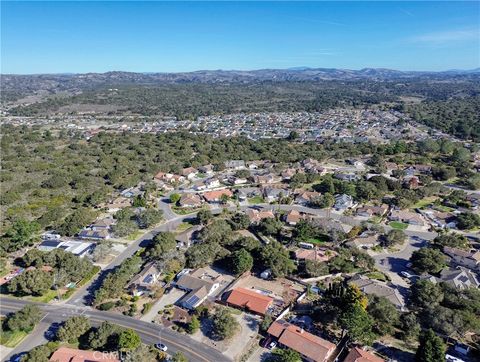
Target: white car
pixel 272 345
pixel 406 274
pixel 161 347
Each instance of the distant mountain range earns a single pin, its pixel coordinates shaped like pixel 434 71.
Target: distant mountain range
pixel 56 82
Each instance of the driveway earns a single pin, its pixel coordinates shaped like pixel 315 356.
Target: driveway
pixel 167 299
pixel 394 263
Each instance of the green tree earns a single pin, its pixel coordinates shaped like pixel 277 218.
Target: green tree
pixel 174 198
pixel 73 328
pixel 194 325
pixel 141 353
pixel 22 233
pixel 276 258
pixel 128 340
pixel 204 217
pixel 179 357
pixel 25 319
pixel 468 220
pixel 427 260
pixel 426 294
pixel 384 314
pixel 266 322
pixel 31 282
pixel 124 228
pixel 431 348
pixel 240 221
pixel 393 237
pixel 149 217
pixel 37 354
pixel 224 324
pixel 163 243
pixel 104 338
pixel 284 355
pixel 358 324
pixel 410 327
pixel 241 261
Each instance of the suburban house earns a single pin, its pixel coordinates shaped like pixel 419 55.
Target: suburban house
pixel 234 180
pixel 268 178
pixel 188 237
pixel 249 300
pixel 365 241
pixel 378 288
pixel 78 248
pixel 349 177
pixel 272 194
pixel 89 233
pixel 469 259
pixel 169 177
pixel 65 354
pixel 369 211
pixel 116 204
pixel 441 219
pixel 245 193
pixel 411 182
pixel 313 166
pixel 212 183
pixel 235 164
pixel 288 173
pixel 189 173
pixel 145 281
pixel 207 169
pixel 199 286
pixel 256 216
pixel 216 196
pixel 306 197
pixel 190 200
pixel 311 347
pixel 460 278
pixel 357 354
pixel 407 217
pixel 321 255
pixel 343 202
pixel 293 217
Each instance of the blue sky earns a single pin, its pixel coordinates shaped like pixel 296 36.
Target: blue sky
pixel 57 37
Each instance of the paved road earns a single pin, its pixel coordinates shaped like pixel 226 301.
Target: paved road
pixel 82 297
pixel 34 339
pixel 149 333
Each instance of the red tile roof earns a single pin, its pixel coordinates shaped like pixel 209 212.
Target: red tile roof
pixel 64 354
pixel 307 344
pixel 359 355
pixel 250 300
pixel 216 195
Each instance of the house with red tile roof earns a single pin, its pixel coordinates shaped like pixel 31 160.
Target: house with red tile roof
pixel 65 354
pixel 249 300
pixel 216 196
pixel 311 347
pixel 359 355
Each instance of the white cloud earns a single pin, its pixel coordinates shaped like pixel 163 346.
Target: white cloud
pixel 449 36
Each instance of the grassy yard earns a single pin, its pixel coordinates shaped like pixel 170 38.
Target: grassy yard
pixel 45 298
pixel 398 225
pixel 318 240
pixel 183 211
pixel 424 202
pixel 11 339
pixel 377 275
pixel 135 235
pixel 183 226
pixel 256 200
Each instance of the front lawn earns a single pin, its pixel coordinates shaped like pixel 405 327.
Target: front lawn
pixel 183 226
pixel 256 200
pixel 424 202
pixel 398 225
pixel 185 211
pixel 11 339
pixel 318 240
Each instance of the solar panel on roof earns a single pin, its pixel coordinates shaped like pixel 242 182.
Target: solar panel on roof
pixel 193 300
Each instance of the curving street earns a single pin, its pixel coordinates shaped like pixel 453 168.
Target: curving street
pixel 149 333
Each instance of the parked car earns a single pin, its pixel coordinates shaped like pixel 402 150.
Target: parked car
pixel 161 347
pixel 406 274
pixel 272 345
